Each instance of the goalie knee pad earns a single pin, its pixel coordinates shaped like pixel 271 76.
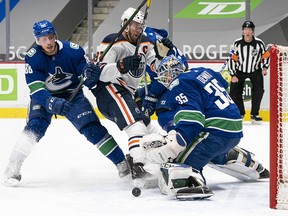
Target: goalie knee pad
pixel 243 165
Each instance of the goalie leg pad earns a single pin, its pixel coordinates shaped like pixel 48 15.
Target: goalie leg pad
pixel 242 165
pixel 180 181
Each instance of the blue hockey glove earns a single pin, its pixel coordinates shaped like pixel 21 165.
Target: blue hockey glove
pixel 129 63
pixel 58 106
pixel 167 42
pixel 149 105
pixel 91 74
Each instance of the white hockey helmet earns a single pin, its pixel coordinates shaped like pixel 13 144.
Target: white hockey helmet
pixel 139 17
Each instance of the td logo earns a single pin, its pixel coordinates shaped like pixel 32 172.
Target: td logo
pixel 8 84
pixel 216 9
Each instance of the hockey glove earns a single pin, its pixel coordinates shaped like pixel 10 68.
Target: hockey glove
pixel 149 105
pixel 58 106
pixel 166 152
pixel 91 74
pixel 129 63
pixel 164 46
pixel 167 42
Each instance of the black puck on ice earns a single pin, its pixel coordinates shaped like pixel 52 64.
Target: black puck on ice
pixel 136 192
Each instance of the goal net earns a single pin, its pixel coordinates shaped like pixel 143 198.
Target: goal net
pixel 279 127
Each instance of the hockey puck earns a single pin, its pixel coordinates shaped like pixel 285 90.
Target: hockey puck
pixel 136 191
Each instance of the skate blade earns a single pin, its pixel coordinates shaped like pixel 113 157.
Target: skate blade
pixel 194 193
pixel 192 197
pixel 253 122
pixel 11 182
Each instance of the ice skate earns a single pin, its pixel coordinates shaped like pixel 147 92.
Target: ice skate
pixel 256 120
pixel 194 193
pixel 123 168
pixel 141 178
pixel 12 176
pixel 263 172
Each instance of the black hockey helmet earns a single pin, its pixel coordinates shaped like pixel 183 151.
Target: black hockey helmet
pixel 248 24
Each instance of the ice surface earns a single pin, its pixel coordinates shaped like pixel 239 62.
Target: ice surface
pixel 66 175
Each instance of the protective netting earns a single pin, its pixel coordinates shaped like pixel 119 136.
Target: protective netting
pixel 282 130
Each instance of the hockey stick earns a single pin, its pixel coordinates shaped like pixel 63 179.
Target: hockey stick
pixel 139 41
pixel 76 90
pixel 232 52
pixel 144 22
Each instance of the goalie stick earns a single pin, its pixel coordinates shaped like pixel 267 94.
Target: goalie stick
pixel 76 90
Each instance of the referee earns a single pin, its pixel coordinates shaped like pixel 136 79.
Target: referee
pixel 251 60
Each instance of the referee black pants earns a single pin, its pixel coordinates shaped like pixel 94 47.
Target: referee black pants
pixel 236 91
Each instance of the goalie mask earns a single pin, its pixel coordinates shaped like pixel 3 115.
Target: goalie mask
pixel 139 17
pixel 168 69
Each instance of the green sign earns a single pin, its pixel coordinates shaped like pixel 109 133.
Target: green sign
pixel 216 9
pixel 8 84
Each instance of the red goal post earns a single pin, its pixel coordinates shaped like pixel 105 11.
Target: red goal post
pixel 279 127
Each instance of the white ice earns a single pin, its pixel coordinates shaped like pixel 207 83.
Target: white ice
pixel 66 175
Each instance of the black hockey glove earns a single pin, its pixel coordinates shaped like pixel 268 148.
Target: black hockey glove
pixel 129 63
pixel 167 42
pixel 137 170
pixel 91 74
pixel 58 106
pixel 149 105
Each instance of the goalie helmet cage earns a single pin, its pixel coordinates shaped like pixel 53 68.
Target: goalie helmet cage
pixel 279 127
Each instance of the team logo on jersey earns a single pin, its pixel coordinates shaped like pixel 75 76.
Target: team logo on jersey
pixel 58 81
pixel 254 52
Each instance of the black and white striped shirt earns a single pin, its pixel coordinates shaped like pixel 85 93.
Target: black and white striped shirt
pixel 249 57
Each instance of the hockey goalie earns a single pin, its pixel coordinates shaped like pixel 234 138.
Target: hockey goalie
pixel 204 127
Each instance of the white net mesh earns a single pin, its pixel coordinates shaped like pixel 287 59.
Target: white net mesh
pixel 282 131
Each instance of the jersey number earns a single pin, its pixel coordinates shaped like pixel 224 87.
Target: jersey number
pixel 181 98
pixel 219 92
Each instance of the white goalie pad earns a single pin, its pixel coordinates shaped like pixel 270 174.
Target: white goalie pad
pixel 180 181
pixel 241 165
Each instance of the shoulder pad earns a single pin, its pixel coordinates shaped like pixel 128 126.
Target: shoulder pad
pixel 110 38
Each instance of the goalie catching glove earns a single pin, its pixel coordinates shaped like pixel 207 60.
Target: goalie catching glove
pixel 160 149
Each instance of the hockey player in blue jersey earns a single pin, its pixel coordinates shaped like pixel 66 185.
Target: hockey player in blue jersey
pixel 53 70
pixel 204 126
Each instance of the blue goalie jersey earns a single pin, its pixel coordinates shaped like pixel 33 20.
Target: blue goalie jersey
pixel 198 102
